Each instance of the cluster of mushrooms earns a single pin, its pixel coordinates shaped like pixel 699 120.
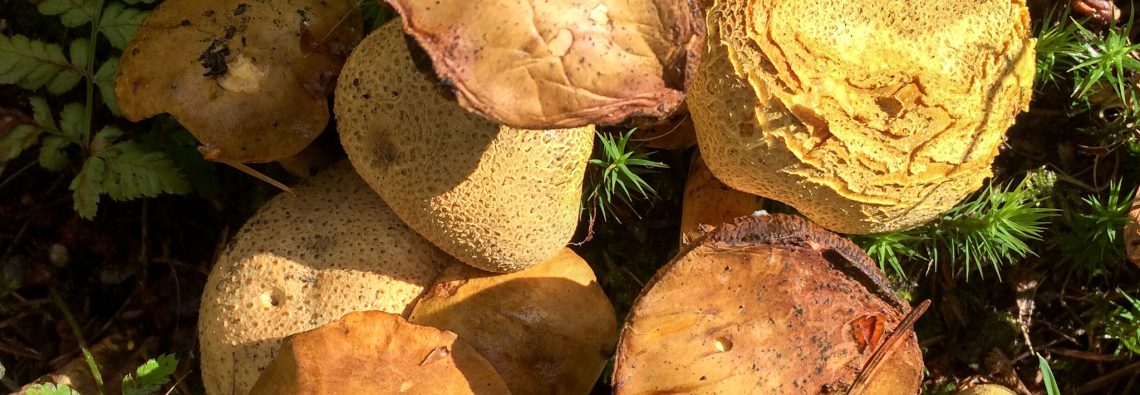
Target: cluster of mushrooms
pixel 434 260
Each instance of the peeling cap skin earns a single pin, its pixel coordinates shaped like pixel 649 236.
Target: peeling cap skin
pixel 547 330
pixel 250 79
pixel 768 304
pixel 302 261
pixel 865 116
pixel 559 64
pixel 497 198
pixel 372 352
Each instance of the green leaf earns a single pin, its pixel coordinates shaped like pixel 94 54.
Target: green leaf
pixel 1047 377
pixel 34 64
pixel 17 140
pixel 151 376
pixel 105 80
pixel 51 389
pixel 105 139
pixel 41 112
pixel 119 22
pixel 72 13
pixel 134 172
pixel 79 50
pixel 71 121
pixel 87 186
pixel 53 153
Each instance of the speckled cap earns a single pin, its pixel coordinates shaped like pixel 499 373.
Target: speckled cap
pixel 304 260
pixel 497 198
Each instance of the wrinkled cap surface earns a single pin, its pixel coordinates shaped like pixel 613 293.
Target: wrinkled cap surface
pixel 250 79
pixel 768 304
pixel 373 352
pixel 865 116
pixel 547 330
pixel 558 64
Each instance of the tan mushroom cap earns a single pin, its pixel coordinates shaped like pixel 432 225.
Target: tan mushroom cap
pixel 710 203
pixel 250 79
pixel 865 116
pixel 374 352
pixel 497 198
pixel 559 64
pixel 302 261
pixel 547 330
pixel 768 304
pixel 986 389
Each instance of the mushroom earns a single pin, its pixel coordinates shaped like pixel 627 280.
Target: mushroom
pixel 865 116
pixel 673 133
pixel 540 65
pixel 987 389
pixel 373 352
pixel 1132 230
pixel 710 203
pixel 769 304
pixel 302 261
pixel 547 330
pixel 250 79
pixel 497 198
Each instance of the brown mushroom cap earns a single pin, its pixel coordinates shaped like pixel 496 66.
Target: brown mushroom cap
pixel 250 79
pixel 374 352
pixel 767 304
pixel 497 198
pixel 865 116
pixel 547 330
pixel 541 65
pixel 708 202
pixel 302 261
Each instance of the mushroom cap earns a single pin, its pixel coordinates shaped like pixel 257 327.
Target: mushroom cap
pixel 986 389
pixel 708 202
pixel 249 79
pixel 766 304
pixel 373 352
pixel 302 261
pixel 865 116
pixel 497 198
pixel 560 64
pixel 547 330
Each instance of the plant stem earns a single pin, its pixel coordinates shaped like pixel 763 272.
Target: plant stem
pixel 79 338
pixel 89 70
pixel 16 174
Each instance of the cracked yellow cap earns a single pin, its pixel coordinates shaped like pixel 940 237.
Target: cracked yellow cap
pixel 865 116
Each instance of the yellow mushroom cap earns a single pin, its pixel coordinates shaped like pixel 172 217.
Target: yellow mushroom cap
pixel 865 116
pixel 373 352
pixel 250 79
pixel 547 330
pixel 497 198
pixel 302 261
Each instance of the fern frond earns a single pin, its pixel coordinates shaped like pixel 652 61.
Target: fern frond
pixel 118 23
pixel 34 64
pixel 72 13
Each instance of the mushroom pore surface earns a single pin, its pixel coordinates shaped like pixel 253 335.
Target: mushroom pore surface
pixel 302 261
pixel 865 116
pixel 497 198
